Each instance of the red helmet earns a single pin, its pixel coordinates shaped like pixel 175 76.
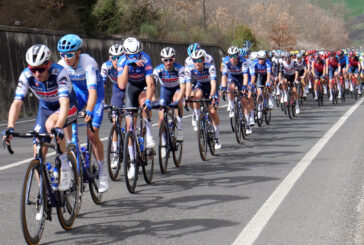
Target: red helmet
pixel 340 52
pixel 332 53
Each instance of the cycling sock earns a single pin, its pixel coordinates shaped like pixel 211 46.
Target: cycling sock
pixel 64 164
pixel 316 93
pixel 179 122
pixel 114 145
pixel 131 152
pixel 231 103
pixel 217 132
pixel 252 114
pixel 247 118
pixel 297 104
pixel 163 138
pixel 101 167
pixel 148 126
pixel 197 113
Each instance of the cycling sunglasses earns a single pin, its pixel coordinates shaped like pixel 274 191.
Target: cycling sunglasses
pixel 168 60
pixel 132 56
pixel 200 60
pixel 39 69
pixel 114 58
pixel 233 56
pixel 68 55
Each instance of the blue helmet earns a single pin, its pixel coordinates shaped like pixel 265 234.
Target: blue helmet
pixel 193 47
pixel 69 43
pixel 243 52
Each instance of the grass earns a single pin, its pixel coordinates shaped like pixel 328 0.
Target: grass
pixel 356 7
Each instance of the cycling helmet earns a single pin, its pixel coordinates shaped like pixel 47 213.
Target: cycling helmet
pixel 303 52
pixel 299 56
pixel 116 50
pixel 132 45
pixel 193 47
pixel 69 43
pixel 340 52
pixel 253 55
pixel 233 50
pixel 168 52
pixel 261 54
pixel 196 54
pixel 243 52
pixel 37 55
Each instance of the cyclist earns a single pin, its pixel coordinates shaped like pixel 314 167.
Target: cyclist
pixel 288 76
pixel 51 84
pixel 204 75
pixel 300 76
pixel 135 72
pixel 109 71
pixel 234 71
pixel 318 72
pixel 343 59
pixel 354 67
pixel 261 75
pixel 173 88
pixel 332 67
pixel 89 88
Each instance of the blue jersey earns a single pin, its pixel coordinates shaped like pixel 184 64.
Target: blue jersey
pixel 170 79
pixel 257 68
pixel 48 92
pixel 343 61
pixel 207 73
pixel 108 71
pixel 136 74
pixel 234 72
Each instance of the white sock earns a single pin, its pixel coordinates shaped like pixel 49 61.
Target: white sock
pixel 252 114
pixel 179 122
pixel 247 118
pixel 101 167
pixel 114 145
pixel 64 163
pixel 131 152
pixel 297 104
pixel 197 113
pixel 231 103
pixel 217 132
pixel 148 126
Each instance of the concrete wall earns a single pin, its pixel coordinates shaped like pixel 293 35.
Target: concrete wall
pixel 16 41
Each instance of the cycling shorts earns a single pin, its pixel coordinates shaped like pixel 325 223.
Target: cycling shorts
pixel 353 69
pixel 300 73
pixel 166 96
pixel 332 72
pixel 261 80
pixel 118 96
pixel 205 88
pixel 133 90
pixel 290 78
pixel 319 74
pixel 44 114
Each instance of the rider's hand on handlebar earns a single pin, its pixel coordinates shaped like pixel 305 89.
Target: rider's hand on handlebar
pixel 88 116
pixel 148 105
pixel 8 135
pixel 58 133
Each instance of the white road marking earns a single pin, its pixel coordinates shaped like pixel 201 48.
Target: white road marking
pixel 53 153
pixel 30 120
pixel 255 226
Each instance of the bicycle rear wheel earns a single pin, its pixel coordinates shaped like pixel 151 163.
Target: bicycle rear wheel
pixel 202 137
pixel 260 120
pixel 128 160
pixel 148 158
pixel 211 139
pixel 93 168
pixel 71 148
pixel 33 204
pixel 232 124
pixel 178 149
pixel 163 149
pixel 238 126
pixel 68 208
pixel 115 154
pixel 268 116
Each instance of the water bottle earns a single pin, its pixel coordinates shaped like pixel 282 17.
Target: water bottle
pixel 141 143
pixel 52 179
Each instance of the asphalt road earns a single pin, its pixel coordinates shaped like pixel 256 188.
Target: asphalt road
pixel 212 202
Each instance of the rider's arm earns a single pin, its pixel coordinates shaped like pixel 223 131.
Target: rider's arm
pixel 123 73
pixel 150 86
pixel 64 103
pixel 14 112
pixel 296 75
pixel 224 72
pixel 182 83
pixel 20 94
pixel 212 71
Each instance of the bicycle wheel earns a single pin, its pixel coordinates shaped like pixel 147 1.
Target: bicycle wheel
pixel 93 168
pixel 71 148
pixel 163 147
pixel 267 115
pixel 67 211
pixel 148 158
pixel 293 108
pixel 33 204
pixel 211 138
pixel 238 127
pixel 128 160
pixel 259 120
pixel 202 137
pixel 115 154
pixel 178 149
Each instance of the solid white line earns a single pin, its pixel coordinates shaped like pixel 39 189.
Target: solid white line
pixel 53 153
pixel 30 120
pixel 255 226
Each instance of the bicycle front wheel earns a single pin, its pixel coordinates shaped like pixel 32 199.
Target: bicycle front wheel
pixel 72 149
pixel 148 158
pixel 93 169
pixel 163 148
pixel 131 165
pixel 202 137
pixel 114 154
pixel 68 208
pixel 33 204
pixel 238 126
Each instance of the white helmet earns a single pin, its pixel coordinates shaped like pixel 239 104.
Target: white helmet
pixel 132 46
pixel 198 54
pixel 261 54
pixel 233 50
pixel 299 56
pixel 253 55
pixel 168 52
pixel 37 55
pixel 116 50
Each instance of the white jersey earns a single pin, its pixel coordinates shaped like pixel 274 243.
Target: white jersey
pixel 288 69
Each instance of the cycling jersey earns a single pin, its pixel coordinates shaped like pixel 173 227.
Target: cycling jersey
pixel 275 66
pixel 353 61
pixel 108 71
pixel 58 85
pixel 137 74
pixel 235 72
pixel 333 62
pixel 170 79
pixel 201 78
pixel 257 68
pixel 343 61
pixel 87 76
pixel 288 69
pixel 300 66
